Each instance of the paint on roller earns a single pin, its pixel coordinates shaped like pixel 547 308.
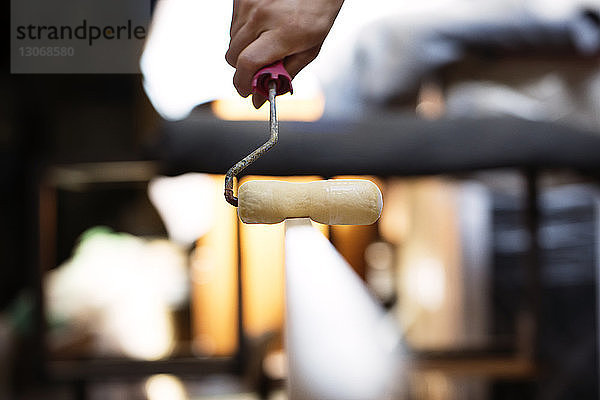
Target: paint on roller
pixel 330 202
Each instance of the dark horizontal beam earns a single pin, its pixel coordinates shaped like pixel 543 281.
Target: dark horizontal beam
pixel 386 146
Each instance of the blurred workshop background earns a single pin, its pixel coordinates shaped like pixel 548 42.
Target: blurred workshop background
pixel 125 275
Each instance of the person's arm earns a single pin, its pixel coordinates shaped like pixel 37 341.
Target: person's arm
pixel 266 31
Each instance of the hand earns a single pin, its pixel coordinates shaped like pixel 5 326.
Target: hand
pixel 266 31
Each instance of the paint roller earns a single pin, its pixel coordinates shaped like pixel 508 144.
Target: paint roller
pixel 331 202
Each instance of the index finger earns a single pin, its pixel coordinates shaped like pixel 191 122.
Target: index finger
pixel 265 50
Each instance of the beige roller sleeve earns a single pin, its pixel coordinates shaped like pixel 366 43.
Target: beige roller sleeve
pixel 331 202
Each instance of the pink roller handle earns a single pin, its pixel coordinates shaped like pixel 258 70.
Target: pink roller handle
pixel 276 72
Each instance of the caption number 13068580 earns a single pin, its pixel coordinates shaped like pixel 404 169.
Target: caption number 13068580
pixel 46 51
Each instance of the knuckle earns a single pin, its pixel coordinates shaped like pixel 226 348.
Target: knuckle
pixel 304 30
pixel 256 15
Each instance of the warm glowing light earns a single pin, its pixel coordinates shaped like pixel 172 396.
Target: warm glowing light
pixel 289 108
pixel 262 277
pixel 214 280
pixel 394 224
pixel 165 387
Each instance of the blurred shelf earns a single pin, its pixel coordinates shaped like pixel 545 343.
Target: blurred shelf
pixel 75 370
pixel 75 176
pixel 492 367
